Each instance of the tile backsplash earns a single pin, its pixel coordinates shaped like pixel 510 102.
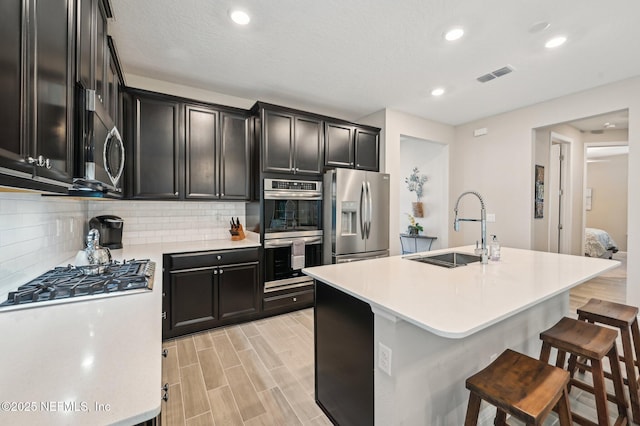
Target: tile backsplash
pixel 170 221
pixel 38 233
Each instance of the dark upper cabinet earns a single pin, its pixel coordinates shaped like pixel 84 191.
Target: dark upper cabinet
pixel 36 67
pixel 235 157
pixel 277 143
pixel 291 143
pixel 53 62
pixel 338 148
pixel 13 151
pixel 367 149
pixel 201 152
pixel 156 148
pixel 308 145
pixel 351 146
pixel 217 154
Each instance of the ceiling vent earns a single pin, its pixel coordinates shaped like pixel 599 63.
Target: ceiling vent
pixel 495 74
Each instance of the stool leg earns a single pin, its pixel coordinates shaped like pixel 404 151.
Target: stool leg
pixel 621 400
pixel 629 362
pixel 634 389
pixel 545 352
pixel 473 409
pixel 600 392
pixel 564 412
pixel 501 418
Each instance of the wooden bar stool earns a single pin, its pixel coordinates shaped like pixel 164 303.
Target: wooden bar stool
pixel 594 343
pixel 624 318
pixel 522 386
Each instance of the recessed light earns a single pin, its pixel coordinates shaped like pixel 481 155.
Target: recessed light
pixel 539 27
pixel 437 91
pixel 555 42
pixel 240 17
pixel 454 34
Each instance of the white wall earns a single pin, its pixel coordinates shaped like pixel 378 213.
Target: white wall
pixel 432 159
pixel 500 164
pixel 397 125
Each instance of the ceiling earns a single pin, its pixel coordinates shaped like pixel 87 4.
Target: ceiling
pixel 356 57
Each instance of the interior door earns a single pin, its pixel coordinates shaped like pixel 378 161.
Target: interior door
pixel 557 177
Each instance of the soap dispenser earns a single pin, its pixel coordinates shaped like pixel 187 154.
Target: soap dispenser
pixel 494 249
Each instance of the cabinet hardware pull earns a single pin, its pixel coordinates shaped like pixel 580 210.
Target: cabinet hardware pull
pixel 221 271
pixel 295 299
pixel 165 353
pixel 215 272
pixel 219 257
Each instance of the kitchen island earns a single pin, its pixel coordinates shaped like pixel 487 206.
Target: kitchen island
pixel 90 360
pixel 396 338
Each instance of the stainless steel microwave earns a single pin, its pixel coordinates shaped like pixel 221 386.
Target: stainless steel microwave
pixel 100 150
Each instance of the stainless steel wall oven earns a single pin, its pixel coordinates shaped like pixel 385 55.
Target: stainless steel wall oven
pixel 293 237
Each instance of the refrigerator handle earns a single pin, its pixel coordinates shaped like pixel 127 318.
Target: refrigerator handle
pixel 370 209
pixel 361 213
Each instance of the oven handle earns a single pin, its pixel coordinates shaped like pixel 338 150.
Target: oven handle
pixel 287 243
pixel 286 195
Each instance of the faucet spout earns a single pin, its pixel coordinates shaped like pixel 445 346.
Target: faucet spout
pixel 483 223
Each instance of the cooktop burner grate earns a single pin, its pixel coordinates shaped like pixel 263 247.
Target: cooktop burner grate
pixel 71 281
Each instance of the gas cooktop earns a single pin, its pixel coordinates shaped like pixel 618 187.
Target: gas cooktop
pixel 68 282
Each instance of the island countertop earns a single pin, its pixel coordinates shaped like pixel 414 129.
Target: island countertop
pixel 458 302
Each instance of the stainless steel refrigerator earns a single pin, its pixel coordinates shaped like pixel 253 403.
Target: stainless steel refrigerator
pixel 355 215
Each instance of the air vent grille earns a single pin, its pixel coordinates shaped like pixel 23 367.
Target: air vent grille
pixel 495 74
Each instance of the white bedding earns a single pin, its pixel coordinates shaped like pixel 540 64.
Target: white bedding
pixel 598 242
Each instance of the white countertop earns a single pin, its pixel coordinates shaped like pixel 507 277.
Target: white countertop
pixel 62 363
pixel 458 302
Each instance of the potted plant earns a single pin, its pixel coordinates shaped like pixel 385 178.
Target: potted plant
pixel 415 183
pixel 414 227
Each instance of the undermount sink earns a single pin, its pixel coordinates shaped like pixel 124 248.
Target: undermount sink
pixel 447 260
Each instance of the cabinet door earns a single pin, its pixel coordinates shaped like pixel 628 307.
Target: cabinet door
pixel 308 145
pixel 84 44
pixel 101 57
pixel 53 58
pixel 277 143
pixel 12 150
pixel 235 163
pixel 238 287
pixel 338 148
pixel 193 301
pixel 201 153
pixel 156 149
pixel 367 150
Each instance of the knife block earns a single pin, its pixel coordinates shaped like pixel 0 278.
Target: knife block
pixel 239 236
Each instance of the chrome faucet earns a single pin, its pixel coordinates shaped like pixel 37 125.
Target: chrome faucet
pixel 483 225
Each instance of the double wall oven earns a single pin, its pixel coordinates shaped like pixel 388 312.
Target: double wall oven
pixel 292 231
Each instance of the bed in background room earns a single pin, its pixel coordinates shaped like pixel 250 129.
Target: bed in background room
pixel 598 243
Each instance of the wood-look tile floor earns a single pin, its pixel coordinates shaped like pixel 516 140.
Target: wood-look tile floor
pixel 258 373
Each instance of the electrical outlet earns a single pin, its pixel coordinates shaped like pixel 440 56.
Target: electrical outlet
pixel 384 358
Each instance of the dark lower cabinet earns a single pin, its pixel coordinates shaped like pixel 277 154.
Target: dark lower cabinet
pixel 238 290
pixel 344 352
pixel 203 290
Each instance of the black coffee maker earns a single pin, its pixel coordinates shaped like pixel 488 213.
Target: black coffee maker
pixel 110 228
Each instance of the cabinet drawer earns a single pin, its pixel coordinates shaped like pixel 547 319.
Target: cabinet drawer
pixel 281 300
pixel 212 258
